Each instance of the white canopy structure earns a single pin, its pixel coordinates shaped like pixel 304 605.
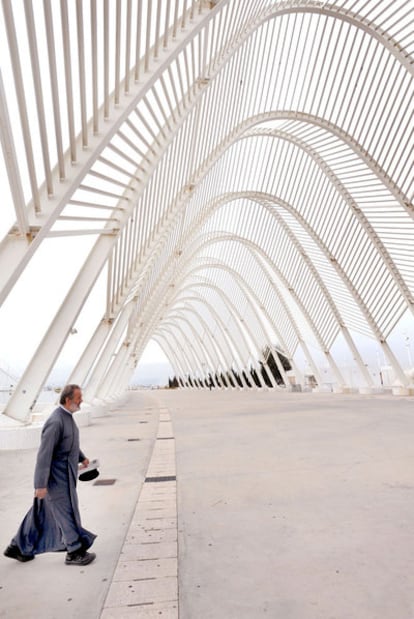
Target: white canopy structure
pixel 239 173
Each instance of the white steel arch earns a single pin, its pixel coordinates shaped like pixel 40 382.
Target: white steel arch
pixel 197 297
pixel 136 121
pixel 212 263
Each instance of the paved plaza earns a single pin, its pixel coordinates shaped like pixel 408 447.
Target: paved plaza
pixel 231 505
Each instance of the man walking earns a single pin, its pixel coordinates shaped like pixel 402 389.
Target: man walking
pixel 53 523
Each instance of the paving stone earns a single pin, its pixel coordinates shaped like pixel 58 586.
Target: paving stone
pixel 156 498
pixel 155 489
pixel 161 493
pixel 148 551
pixel 157 504
pixel 164 449
pixel 155 512
pixel 162 458
pixel 142 612
pixel 124 593
pixel 167 465
pixel 152 535
pixel 159 487
pixel 147 524
pixel 149 568
pixel 166 430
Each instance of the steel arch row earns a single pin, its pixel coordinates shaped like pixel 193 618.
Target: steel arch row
pixel 385 41
pixel 181 360
pixel 285 285
pixel 266 199
pixel 203 266
pixel 153 313
pixel 375 239
pixel 177 314
pixel 156 299
pixel 342 136
pixel 167 335
pixel 17 249
pixel 203 282
pixel 208 285
pixel 151 325
pixel 186 344
pixel 180 344
pixel 170 353
pixel 349 341
pixel 162 339
pixel 215 343
pixel 243 284
pixel 190 301
pixel 351 203
pixel 307 6
pixel 358 21
pixel 248 292
pixel 253 364
pixel 153 310
pixel 388 261
pixel 141 337
pixel 216 204
pixel 357 212
pixel 256 250
pixel 239 363
pixel 226 145
pixel 373 236
pixel 244 328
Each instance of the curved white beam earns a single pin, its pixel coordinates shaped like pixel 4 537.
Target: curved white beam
pixel 209 74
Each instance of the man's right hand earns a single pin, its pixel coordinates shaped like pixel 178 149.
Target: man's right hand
pixel 40 493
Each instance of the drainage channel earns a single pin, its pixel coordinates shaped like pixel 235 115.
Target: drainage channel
pixel 145 582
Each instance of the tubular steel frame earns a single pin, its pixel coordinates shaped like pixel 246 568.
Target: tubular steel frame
pixel 243 170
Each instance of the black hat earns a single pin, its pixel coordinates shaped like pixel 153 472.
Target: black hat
pixel 90 472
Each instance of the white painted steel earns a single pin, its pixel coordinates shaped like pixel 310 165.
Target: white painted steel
pixel 244 171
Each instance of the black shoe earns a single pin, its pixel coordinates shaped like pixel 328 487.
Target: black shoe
pixel 12 552
pixel 79 557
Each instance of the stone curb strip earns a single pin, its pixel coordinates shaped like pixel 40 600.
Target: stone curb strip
pixel 145 581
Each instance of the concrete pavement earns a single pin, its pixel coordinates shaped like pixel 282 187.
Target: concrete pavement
pixel 46 588
pixel 290 506
pixel 294 506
